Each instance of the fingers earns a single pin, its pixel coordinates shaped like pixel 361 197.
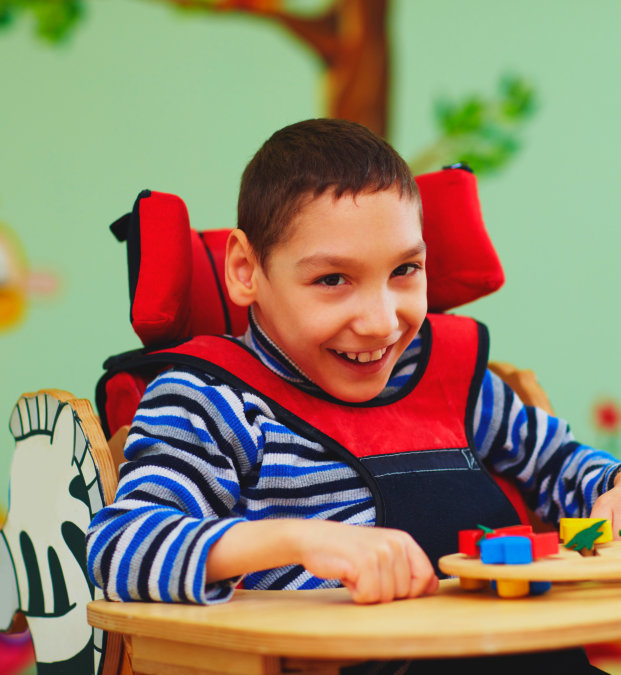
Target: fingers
pixel 432 586
pixel 374 579
pixel 402 573
pixel 601 509
pixel 394 568
pixel 388 558
pixel 604 507
pixel 375 564
pixel 423 580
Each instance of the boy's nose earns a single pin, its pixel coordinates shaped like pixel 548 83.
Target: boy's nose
pixel 377 316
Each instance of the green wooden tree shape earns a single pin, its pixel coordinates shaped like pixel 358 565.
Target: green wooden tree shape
pixel 584 541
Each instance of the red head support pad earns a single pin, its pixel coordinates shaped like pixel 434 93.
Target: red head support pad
pixel 462 264
pixel 176 274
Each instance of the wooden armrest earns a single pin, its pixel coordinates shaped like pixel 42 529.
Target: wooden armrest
pixel 524 383
pixel 116 445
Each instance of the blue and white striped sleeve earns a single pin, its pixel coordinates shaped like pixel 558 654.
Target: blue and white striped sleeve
pixel 189 444
pixel 558 476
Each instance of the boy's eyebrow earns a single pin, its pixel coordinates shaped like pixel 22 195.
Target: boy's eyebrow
pixel 421 247
pixel 340 261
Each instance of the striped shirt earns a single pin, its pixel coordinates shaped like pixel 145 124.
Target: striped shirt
pixel 203 456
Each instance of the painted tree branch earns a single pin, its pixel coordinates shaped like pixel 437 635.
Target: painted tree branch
pixel 350 38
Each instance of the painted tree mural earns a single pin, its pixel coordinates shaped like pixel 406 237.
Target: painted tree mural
pixel 351 39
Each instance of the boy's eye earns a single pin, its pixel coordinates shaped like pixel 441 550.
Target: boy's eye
pixel 331 280
pixel 405 269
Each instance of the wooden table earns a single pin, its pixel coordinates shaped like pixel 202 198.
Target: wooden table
pixel 267 632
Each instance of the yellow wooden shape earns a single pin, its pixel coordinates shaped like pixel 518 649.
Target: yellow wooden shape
pixel 569 527
pixel 469 584
pixel 512 588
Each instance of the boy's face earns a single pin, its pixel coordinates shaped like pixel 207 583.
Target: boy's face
pixel 346 292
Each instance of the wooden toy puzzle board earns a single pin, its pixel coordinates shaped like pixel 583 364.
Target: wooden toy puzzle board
pixel 565 566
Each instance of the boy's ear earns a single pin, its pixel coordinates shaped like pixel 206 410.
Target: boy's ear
pixel 240 269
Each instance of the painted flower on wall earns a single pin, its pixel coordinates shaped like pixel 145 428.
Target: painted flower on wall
pixel 607 421
pixel 19 284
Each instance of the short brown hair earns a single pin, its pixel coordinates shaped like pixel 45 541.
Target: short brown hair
pixel 304 160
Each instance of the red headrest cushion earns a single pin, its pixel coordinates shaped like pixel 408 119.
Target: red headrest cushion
pixel 159 255
pixel 176 274
pixel 462 264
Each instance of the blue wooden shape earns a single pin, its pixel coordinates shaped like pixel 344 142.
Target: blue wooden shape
pixel 539 587
pixel 518 550
pixel 506 550
pixel 492 551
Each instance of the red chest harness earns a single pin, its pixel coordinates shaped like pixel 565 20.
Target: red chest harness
pixel 414 451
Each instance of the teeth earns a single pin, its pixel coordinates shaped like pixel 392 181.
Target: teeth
pixel 364 357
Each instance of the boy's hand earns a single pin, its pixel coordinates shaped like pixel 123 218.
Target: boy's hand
pixel 609 506
pixel 375 564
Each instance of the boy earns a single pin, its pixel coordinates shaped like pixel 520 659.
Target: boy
pixel 343 405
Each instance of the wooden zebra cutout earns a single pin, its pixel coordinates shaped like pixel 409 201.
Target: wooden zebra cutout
pixel 54 493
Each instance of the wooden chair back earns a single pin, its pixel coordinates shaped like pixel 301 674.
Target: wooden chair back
pixel 62 473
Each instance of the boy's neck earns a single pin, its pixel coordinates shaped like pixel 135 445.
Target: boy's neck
pixel 261 342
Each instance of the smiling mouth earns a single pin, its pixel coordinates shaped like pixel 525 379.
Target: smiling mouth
pixel 362 357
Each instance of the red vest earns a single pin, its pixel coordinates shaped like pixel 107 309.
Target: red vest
pixel 414 450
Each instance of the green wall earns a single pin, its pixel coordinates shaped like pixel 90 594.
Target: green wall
pixel 142 96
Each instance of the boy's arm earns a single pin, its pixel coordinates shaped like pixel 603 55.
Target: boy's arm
pixel 174 497
pixel 376 564
pixel 169 535
pixel 559 477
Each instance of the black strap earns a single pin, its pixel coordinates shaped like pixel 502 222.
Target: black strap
pixel 228 328
pixel 120 227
